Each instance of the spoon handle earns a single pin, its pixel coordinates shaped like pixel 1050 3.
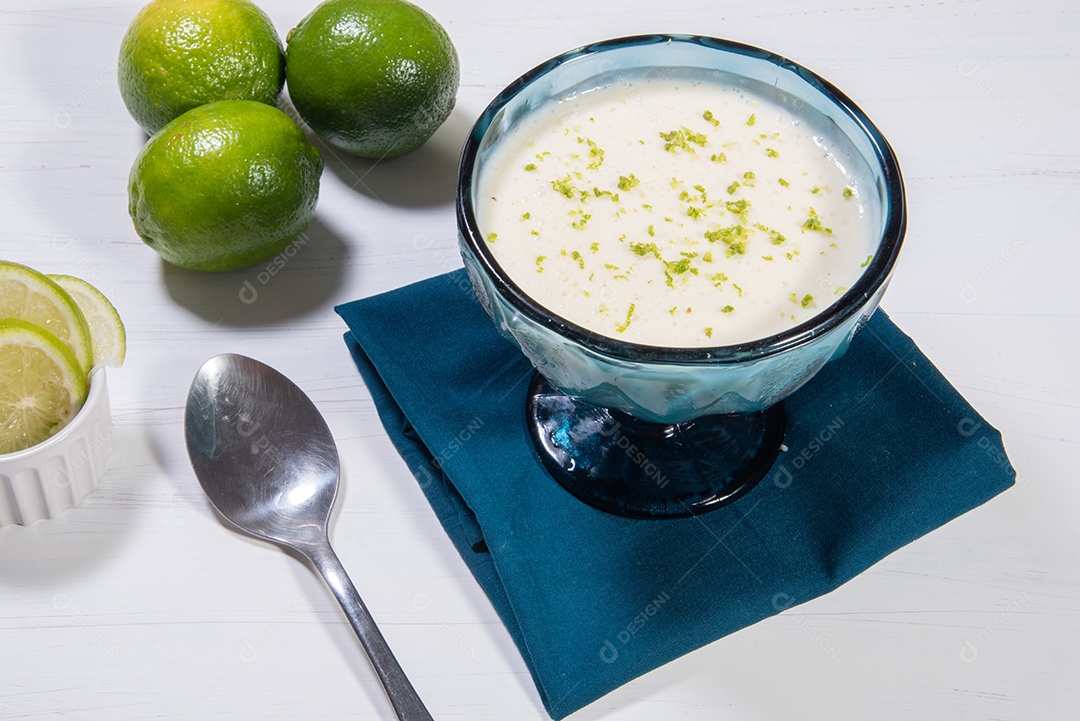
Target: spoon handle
pixel 403 697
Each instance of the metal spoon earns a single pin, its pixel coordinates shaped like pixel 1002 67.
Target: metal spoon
pixel 265 458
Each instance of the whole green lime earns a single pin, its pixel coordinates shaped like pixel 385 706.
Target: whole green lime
pixel 375 78
pixel 225 185
pixel 179 54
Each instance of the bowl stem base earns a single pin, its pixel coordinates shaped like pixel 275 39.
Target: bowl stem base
pixel 640 469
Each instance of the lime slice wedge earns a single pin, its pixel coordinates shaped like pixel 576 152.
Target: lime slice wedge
pixel 107 334
pixel 28 295
pixel 42 385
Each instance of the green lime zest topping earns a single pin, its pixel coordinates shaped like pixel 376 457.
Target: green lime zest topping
pixel 737 206
pixel 644 249
pixel 627 181
pixel 752 119
pixel 707 257
pixel 677 267
pixel 530 167
pixel 697 138
pixel 727 309
pixel 564 187
pixel 867 261
pixel 710 118
pixel 772 153
pixel 626 323
pixel 806 300
pixel 693 212
pixel 596 153
pixel 525 216
pixel 813 222
pixel 849 192
pixel 540 263
pixel 580 261
pixel 594 248
pixel 583 219
pixel 775 236
pixel 491 237
pixel 708 331
pixel 681 138
pixel 651 230
pixel 730 236
pixel 783 182
pixel 733 187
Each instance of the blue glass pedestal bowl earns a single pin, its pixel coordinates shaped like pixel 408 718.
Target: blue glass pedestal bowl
pixel 659 432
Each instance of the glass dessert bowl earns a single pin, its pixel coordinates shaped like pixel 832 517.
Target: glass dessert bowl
pixel 678 418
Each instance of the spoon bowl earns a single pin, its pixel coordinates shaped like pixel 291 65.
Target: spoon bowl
pixel 261 450
pixel 268 463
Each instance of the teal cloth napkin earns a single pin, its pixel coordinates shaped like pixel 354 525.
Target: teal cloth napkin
pixel 880 450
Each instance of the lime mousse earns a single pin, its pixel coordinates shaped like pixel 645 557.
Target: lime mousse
pixel 679 212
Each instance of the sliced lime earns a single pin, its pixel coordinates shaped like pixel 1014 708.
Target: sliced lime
pixel 42 385
pixel 107 335
pixel 28 295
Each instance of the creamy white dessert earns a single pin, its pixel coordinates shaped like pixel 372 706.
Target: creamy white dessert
pixel 678 212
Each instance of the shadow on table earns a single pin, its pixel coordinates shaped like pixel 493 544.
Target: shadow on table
pixel 79 541
pixel 423 178
pixel 296 281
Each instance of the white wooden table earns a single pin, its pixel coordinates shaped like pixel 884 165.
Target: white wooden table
pixel 141 604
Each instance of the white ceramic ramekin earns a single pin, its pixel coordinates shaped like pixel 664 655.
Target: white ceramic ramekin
pixel 53 476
